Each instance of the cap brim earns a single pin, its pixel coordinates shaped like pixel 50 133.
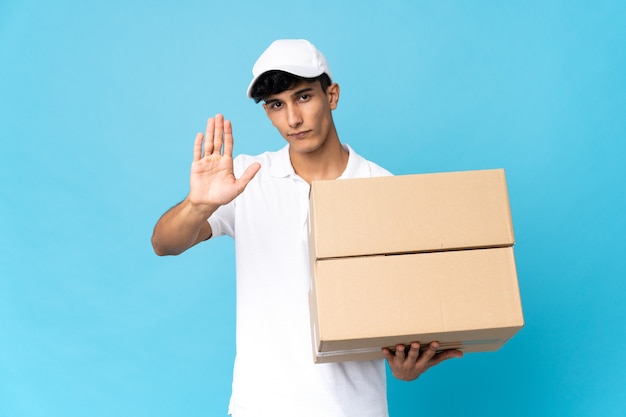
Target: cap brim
pixel 304 72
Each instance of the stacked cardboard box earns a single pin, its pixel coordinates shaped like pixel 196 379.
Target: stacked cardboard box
pixel 412 258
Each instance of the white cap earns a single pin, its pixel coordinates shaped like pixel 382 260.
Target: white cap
pixel 295 56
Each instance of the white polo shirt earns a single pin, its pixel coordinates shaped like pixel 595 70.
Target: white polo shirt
pixel 274 373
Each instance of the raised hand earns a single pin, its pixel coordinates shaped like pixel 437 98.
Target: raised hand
pixel 212 180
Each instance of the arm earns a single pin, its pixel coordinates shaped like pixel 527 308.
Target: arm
pixel 409 366
pixel 180 228
pixel 212 183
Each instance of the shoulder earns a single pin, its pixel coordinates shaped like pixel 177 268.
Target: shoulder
pixel 377 171
pixel 274 163
pixel 358 166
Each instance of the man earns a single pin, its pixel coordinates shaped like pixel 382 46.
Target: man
pixel 262 202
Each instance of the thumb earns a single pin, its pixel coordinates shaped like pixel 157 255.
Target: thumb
pixel 248 174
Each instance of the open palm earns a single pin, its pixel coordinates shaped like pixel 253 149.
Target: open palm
pixel 212 179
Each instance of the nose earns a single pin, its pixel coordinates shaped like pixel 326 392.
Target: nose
pixel 294 118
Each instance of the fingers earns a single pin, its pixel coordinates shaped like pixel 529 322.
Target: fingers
pixel 228 138
pixel 399 355
pixel 197 147
pixel 445 355
pixel 427 355
pixel 208 136
pixel 219 133
pixel 427 358
pixel 414 352
pixel 249 173
pixel 387 354
pixel 430 357
pixel 409 364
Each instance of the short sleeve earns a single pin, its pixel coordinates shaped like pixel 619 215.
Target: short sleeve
pixel 222 222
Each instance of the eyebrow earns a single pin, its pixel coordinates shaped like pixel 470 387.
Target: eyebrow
pixel 294 94
pixel 302 90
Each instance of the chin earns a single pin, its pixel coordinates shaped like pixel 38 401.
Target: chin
pixel 305 146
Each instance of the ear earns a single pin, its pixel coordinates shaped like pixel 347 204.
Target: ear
pixel 332 92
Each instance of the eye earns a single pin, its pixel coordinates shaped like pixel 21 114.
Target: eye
pixel 276 105
pixel 305 97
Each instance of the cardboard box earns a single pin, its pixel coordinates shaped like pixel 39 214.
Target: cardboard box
pixel 410 213
pixel 390 268
pixel 466 300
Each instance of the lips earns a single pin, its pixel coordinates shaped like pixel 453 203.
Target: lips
pixel 299 135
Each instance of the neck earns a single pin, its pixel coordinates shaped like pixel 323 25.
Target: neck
pixel 325 163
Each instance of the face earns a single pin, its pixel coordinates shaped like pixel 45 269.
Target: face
pixel 303 117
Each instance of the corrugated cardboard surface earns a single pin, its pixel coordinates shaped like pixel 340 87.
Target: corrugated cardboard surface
pixel 410 213
pixel 466 299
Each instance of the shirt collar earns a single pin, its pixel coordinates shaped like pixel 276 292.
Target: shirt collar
pixel 356 167
pixel 281 165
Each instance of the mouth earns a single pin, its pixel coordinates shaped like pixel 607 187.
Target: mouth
pixel 299 135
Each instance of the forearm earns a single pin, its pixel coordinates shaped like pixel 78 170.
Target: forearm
pixel 181 227
pixel 212 183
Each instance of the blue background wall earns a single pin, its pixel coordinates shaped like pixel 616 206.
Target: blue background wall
pixel 99 104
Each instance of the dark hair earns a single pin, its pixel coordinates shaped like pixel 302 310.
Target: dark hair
pixel 275 81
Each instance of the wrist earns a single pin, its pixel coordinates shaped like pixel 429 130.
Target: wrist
pixel 203 210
